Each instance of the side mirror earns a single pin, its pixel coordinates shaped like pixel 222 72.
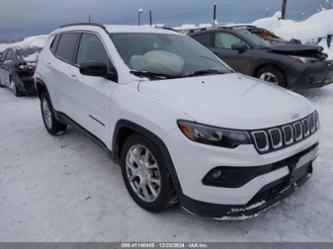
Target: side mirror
pixel 241 48
pixel 98 69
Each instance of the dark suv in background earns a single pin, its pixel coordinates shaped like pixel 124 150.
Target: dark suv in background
pixel 291 65
pixel 17 67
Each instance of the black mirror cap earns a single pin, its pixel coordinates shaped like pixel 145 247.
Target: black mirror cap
pixel 99 69
pixel 239 46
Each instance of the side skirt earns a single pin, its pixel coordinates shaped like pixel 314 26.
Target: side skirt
pixel 63 118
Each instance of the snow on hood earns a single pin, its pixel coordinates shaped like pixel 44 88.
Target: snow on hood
pixel 229 101
pixel 318 25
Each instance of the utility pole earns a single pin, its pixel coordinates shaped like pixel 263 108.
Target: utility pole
pixel 140 12
pixel 215 22
pixel 89 19
pixel 283 9
pixel 150 18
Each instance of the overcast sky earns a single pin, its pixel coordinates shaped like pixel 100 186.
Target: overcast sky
pixel 29 17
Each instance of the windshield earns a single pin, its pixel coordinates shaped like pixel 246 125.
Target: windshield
pixel 166 54
pixel 254 38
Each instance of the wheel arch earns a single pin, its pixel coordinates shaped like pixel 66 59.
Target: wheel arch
pixel 125 128
pixel 40 87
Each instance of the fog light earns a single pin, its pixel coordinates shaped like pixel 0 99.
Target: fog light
pixel 217 174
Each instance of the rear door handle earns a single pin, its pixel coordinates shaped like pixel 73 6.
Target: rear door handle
pixel 49 64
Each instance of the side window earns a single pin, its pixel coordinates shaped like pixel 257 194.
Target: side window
pixel 204 39
pixel 9 56
pixel 226 40
pixel 67 45
pixel 54 43
pixel 3 56
pixel 91 49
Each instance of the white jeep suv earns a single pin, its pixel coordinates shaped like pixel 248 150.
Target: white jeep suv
pixel 183 126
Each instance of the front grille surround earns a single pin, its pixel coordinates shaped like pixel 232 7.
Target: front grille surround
pixel 280 137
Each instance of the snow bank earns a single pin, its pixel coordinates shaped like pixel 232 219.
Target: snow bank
pixel 33 41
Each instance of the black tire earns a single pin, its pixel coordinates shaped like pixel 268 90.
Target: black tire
pixel 52 125
pixel 275 72
pixel 166 191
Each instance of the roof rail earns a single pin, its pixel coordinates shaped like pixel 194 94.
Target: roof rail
pixel 83 24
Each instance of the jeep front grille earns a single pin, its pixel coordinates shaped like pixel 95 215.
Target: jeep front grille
pixel 276 138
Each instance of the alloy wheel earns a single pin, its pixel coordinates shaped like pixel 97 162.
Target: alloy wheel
pixel 47 114
pixel 143 173
pixel 269 77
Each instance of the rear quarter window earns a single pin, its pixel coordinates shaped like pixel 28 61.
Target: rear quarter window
pixel 67 46
pixel 204 39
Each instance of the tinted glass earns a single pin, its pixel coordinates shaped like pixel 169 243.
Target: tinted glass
pixel 170 54
pixel 54 43
pixel 226 40
pixel 91 49
pixel 3 56
pixel 204 39
pixel 254 38
pixel 67 45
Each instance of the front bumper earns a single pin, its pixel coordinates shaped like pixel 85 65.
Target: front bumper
pixel 314 76
pixel 267 197
pixel 192 162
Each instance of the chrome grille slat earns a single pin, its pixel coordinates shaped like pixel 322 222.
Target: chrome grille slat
pixel 271 139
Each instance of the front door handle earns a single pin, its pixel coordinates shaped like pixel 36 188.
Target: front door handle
pixel 74 77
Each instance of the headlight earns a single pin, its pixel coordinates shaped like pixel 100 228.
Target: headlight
pixel 213 135
pixel 304 59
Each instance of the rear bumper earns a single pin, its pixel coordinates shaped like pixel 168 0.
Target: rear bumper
pixel 315 76
pixel 26 84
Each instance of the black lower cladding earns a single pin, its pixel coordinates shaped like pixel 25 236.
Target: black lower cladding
pixel 266 197
pixel 235 177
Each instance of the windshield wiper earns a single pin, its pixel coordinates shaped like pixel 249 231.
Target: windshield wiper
pixel 154 75
pixel 204 72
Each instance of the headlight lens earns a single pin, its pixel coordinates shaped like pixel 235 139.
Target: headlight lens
pixel 213 135
pixel 304 59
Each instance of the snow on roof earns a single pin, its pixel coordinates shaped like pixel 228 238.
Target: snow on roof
pixel 33 41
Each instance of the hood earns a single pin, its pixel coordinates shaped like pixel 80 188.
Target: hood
pixel 298 49
pixel 229 101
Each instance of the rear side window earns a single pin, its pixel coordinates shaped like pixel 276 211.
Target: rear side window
pixel 54 43
pixel 4 55
pixel 67 45
pixel 91 49
pixel 204 39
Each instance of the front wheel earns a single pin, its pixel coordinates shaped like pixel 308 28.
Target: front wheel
pixel 52 125
pixel 272 75
pixel 2 85
pixel 145 174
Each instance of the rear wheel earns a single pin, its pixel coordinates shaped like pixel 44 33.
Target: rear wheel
pixel 272 75
pixel 145 174
pixel 52 125
pixel 14 88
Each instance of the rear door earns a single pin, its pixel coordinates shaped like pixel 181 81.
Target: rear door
pixel 222 46
pixel 6 66
pixel 2 68
pixel 61 73
pixel 93 94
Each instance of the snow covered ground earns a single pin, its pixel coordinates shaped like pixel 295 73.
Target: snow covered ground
pixel 67 189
